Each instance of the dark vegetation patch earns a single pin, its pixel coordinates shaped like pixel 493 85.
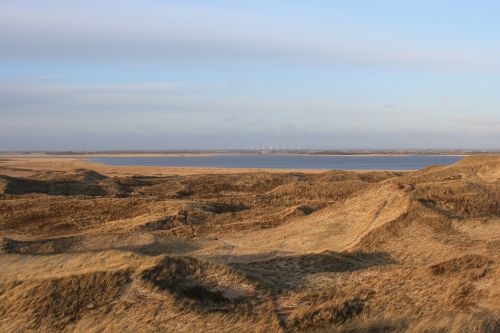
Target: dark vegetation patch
pixel 21 186
pixel 48 246
pixel 199 284
pixel 307 209
pixel 163 223
pixel 217 208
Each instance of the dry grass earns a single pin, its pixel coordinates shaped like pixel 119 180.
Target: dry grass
pixel 53 304
pixel 112 249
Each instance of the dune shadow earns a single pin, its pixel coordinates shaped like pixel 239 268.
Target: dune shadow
pixel 66 188
pixel 253 258
pixel 160 246
pixel 83 183
pixel 72 244
pixel 283 273
pixel 37 247
pixel 289 272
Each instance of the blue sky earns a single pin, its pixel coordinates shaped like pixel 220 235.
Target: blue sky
pixel 159 74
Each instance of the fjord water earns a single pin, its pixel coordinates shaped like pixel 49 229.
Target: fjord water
pixel 275 161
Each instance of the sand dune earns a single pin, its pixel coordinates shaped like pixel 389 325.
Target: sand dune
pixel 87 248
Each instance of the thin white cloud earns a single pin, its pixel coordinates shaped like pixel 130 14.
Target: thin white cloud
pixel 177 32
pixel 32 99
pixel 479 124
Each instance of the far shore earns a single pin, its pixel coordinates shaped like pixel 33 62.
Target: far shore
pixel 86 155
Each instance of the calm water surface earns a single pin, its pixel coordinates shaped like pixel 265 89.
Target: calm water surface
pixel 411 162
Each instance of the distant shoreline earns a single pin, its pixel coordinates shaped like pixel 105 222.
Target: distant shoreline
pixel 288 161
pixel 78 154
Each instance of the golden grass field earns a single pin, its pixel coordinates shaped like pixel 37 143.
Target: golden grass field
pixel 92 248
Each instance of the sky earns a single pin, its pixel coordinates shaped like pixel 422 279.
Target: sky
pixel 192 74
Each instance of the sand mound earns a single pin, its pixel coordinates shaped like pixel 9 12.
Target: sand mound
pixel 51 215
pixel 460 199
pixel 339 225
pixel 216 185
pixel 81 175
pixel 194 213
pixel 419 235
pixel 76 183
pixel 323 190
pixel 471 262
pixel 473 168
pixel 53 304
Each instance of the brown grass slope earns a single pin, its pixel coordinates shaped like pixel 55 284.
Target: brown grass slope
pixel 335 251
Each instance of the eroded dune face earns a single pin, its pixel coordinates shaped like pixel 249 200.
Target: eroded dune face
pixel 271 252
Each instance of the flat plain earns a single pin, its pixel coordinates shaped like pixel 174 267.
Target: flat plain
pixel 92 248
